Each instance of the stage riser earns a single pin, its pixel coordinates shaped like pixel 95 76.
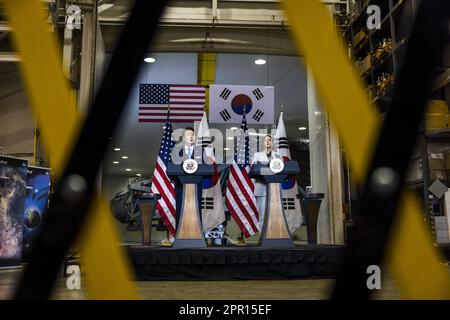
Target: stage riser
pixel 306 262
pixel 231 272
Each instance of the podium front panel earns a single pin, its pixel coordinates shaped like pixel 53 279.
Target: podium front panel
pixel 146 209
pixel 189 228
pixel 276 226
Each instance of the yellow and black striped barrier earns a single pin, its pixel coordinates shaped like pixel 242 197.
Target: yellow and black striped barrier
pixel 76 149
pixel 415 261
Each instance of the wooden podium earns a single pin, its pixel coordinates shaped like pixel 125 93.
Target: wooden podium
pixel 146 203
pixel 189 230
pixel 275 231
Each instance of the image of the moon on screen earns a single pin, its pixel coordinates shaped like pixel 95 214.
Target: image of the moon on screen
pixel 12 189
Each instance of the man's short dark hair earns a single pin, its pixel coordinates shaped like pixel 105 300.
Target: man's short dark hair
pixel 268 135
pixel 189 128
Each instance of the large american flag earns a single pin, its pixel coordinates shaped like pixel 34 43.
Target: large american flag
pixel 186 102
pixel 239 197
pixel 161 184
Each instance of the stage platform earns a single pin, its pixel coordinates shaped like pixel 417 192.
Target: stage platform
pixel 235 263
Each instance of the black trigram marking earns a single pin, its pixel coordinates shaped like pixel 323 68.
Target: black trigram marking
pixel 225 115
pixel 208 203
pixel 282 143
pixel 225 93
pixel 258 94
pixel 258 115
pixel 204 141
pixel 289 203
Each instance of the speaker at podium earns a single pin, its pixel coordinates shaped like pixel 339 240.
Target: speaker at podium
pixel 189 229
pixel 275 231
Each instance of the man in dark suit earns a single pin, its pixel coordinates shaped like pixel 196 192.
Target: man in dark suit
pixel 189 151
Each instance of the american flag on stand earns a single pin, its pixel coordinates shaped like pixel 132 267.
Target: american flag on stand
pixel 239 197
pixel 186 102
pixel 161 183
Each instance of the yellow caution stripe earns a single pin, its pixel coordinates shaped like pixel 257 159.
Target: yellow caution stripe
pixel 106 267
pixel 415 262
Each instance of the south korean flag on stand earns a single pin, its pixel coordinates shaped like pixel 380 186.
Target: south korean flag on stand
pixel 227 104
pixel 212 207
pixel 289 189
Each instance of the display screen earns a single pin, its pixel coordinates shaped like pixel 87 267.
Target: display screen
pixel 36 201
pixel 13 177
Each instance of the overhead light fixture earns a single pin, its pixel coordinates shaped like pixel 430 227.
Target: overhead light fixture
pixel 138 174
pixel 116 162
pixel 302 128
pixel 230 138
pixel 124 157
pixel 150 60
pixel 260 62
pixel 127 169
pixel 116 149
pixel 226 149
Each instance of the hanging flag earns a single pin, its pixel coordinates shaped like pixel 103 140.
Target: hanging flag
pixel 186 102
pixel 289 189
pixel 161 184
pixel 227 104
pixel 213 212
pixel 239 197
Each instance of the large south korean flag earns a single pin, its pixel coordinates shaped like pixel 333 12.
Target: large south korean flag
pixel 227 104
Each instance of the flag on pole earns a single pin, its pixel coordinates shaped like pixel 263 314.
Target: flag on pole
pixel 161 184
pixel 186 102
pixel 227 103
pixel 239 197
pixel 289 189
pixel 212 207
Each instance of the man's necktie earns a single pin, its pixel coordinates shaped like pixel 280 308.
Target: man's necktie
pixel 189 153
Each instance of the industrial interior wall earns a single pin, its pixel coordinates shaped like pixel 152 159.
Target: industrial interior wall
pixel 16 120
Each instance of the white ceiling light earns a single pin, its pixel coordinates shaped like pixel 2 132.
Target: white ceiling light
pixel 302 128
pixel 260 62
pixel 124 157
pixel 138 174
pixel 150 60
pixel 116 149
pixel 226 149
pixel 127 169
pixel 230 138
pixel 116 162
